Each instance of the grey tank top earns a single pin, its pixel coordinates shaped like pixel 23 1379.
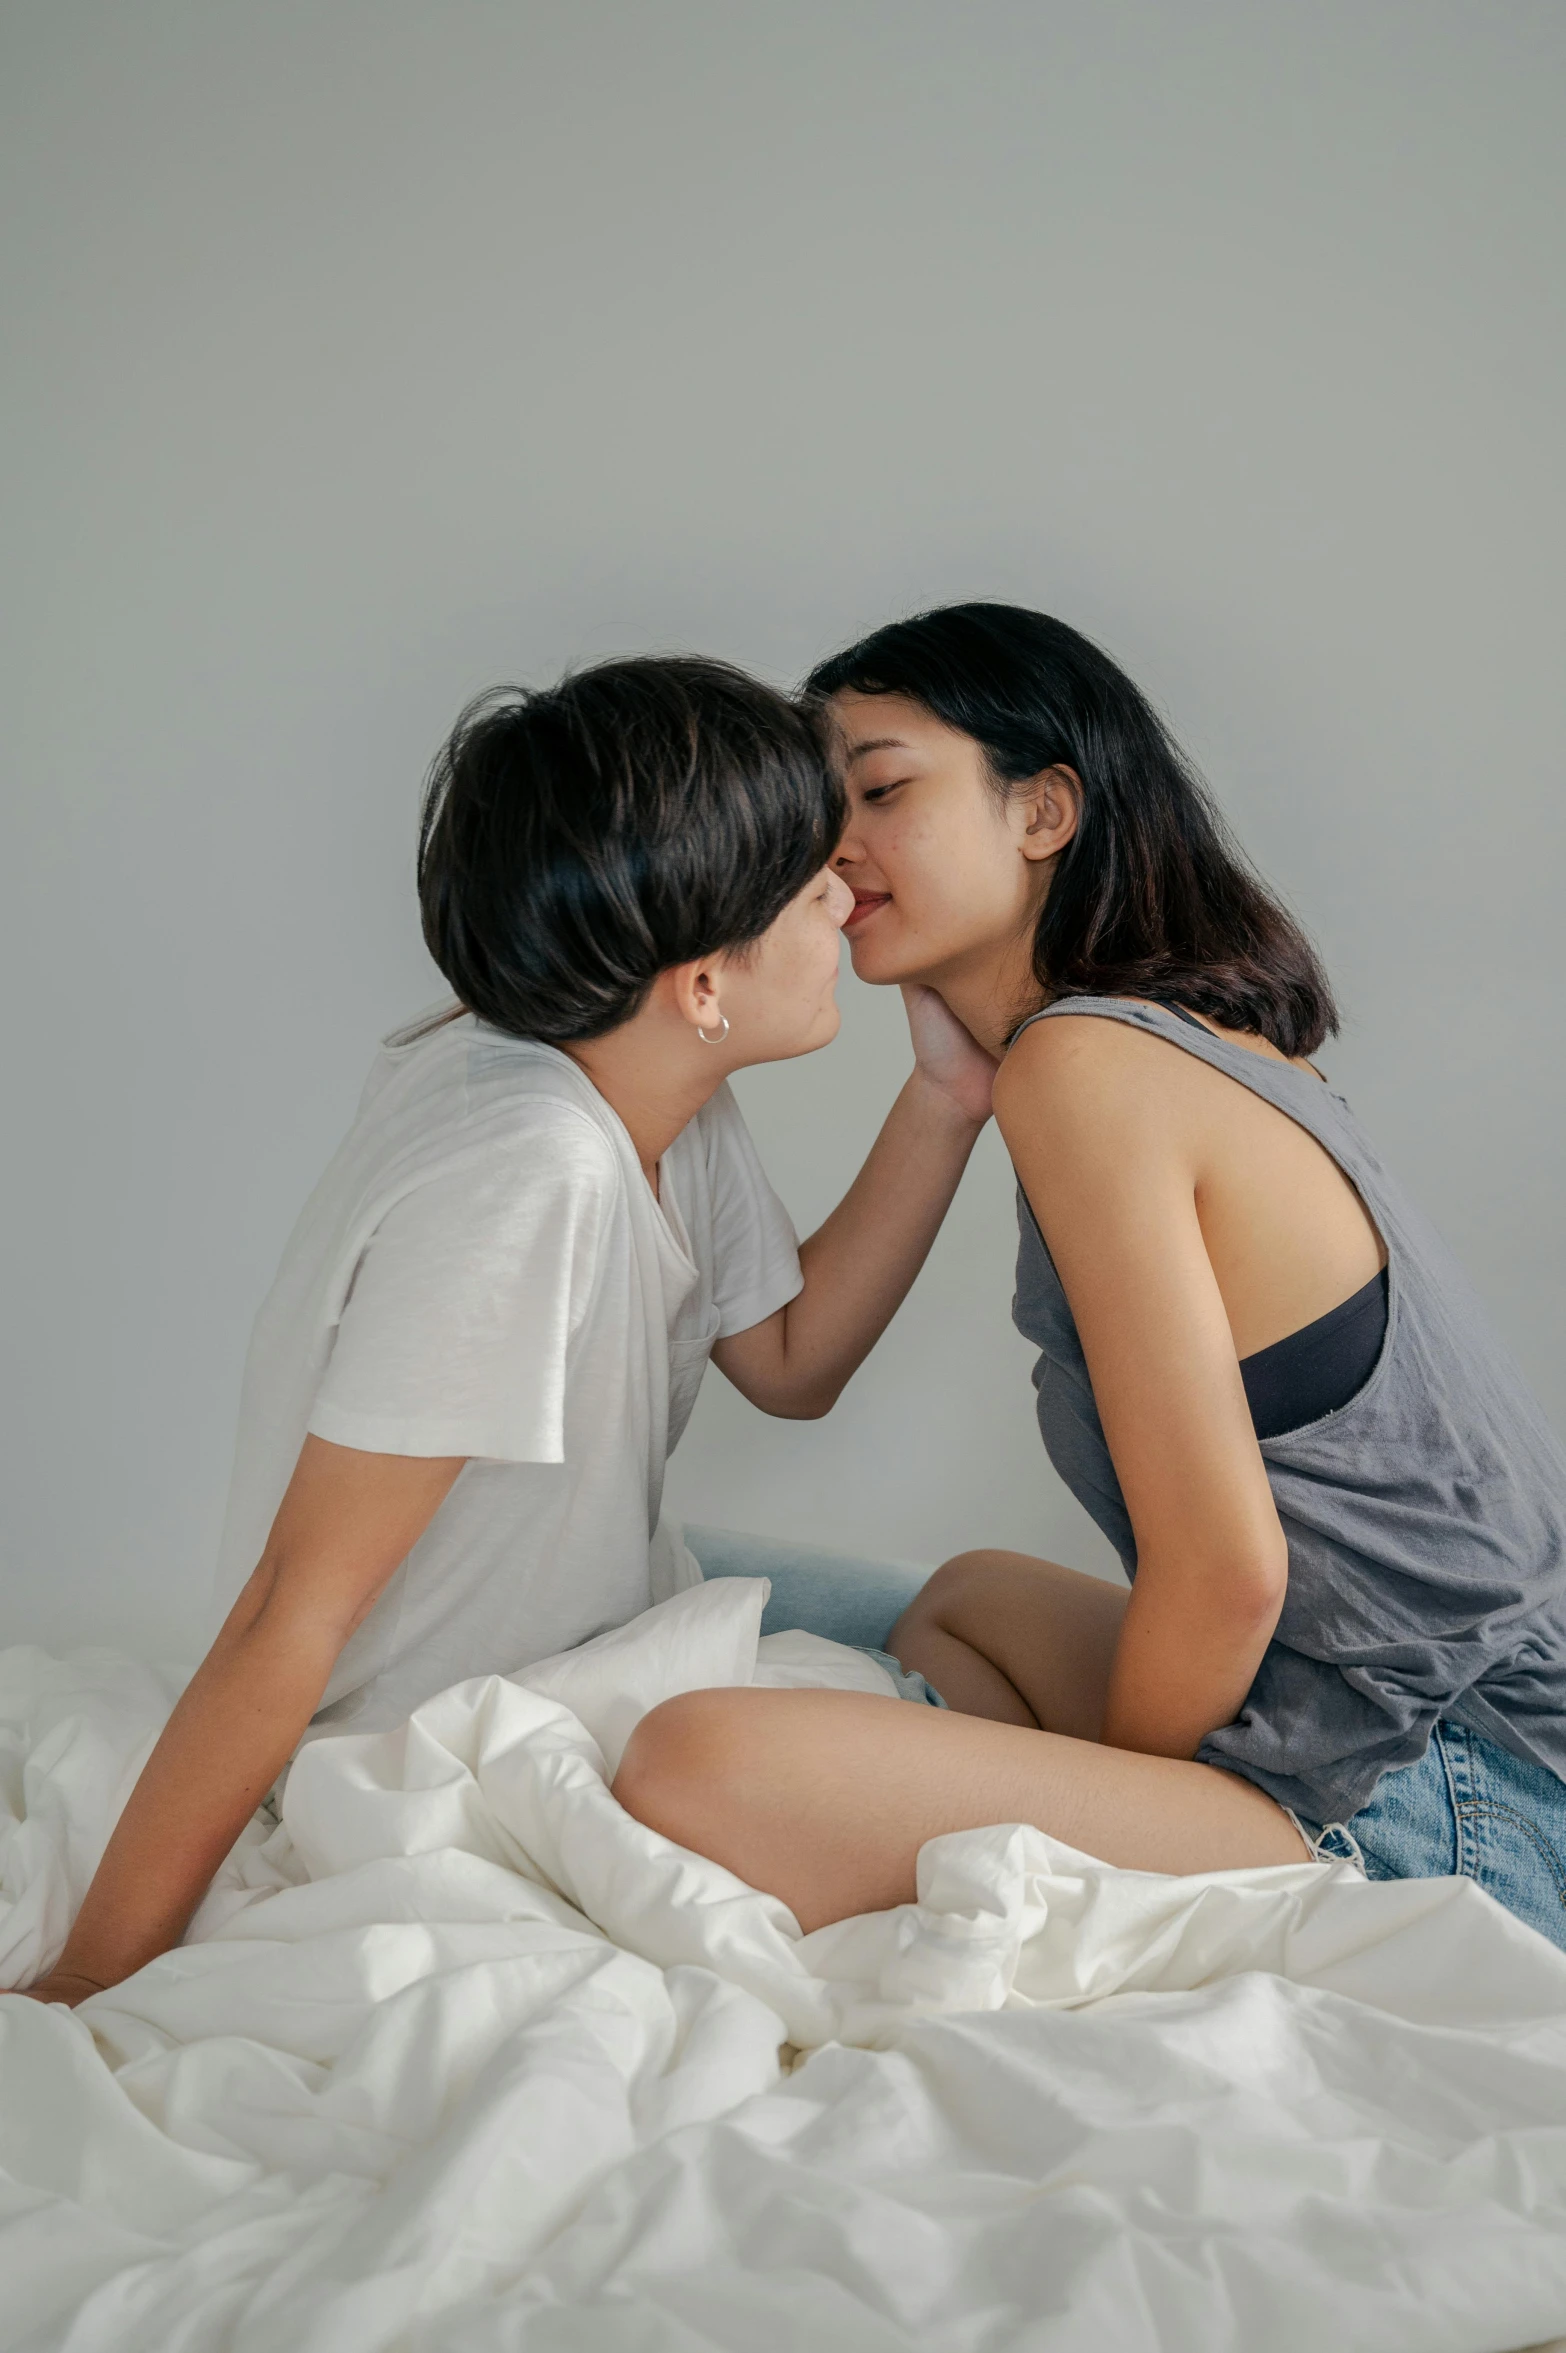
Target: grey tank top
pixel 1426 1518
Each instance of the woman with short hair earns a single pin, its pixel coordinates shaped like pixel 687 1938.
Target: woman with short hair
pixel 494 1313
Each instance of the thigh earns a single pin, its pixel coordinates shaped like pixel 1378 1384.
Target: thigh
pixel 1051 1632
pixel 834 1594
pixel 824 1798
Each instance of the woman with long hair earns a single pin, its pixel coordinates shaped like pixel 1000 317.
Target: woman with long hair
pixel 1341 1512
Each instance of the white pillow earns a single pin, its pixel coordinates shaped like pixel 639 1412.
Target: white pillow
pixel 694 1641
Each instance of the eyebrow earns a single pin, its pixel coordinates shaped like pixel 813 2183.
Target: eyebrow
pixel 878 743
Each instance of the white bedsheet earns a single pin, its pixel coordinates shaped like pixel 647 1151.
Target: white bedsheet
pixel 462 2057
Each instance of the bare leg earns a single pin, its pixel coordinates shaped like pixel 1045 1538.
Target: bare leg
pixel 1019 1640
pixel 824 1798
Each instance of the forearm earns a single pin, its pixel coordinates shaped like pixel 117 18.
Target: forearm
pixel 1187 1656
pixel 231 1734
pixel 348 1517
pixel 860 1264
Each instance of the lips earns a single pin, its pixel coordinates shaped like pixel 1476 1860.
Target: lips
pixel 865 905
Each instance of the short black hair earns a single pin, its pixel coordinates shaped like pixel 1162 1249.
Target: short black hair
pixel 1152 898
pixel 579 839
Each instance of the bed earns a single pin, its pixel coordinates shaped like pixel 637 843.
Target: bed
pixel 459 2056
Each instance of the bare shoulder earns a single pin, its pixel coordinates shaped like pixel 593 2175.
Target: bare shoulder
pixel 1078 1043
pixel 1089 1084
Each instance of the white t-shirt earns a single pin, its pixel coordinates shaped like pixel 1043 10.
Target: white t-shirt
pixel 484 1270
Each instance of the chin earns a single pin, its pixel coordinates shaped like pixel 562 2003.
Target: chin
pixel 880 964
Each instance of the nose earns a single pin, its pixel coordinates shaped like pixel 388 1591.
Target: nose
pixel 842 901
pixel 848 851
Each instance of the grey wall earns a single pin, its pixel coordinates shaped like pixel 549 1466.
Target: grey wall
pixel 361 353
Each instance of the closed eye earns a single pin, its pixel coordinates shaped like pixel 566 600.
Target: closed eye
pixel 878 792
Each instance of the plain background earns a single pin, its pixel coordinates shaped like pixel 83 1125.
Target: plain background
pixel 360 354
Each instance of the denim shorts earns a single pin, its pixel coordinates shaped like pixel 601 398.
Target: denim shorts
pixel 833 1594
pixel 1467 1809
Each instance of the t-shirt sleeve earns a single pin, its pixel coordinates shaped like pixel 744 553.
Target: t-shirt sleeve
pixel 755 1248
pixel 456 1331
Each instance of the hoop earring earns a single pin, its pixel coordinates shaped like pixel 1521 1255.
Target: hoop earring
pixel 722 1034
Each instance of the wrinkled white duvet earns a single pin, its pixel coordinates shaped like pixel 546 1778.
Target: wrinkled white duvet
pixel 462 2057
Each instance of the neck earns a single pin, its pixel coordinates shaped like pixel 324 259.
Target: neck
pixel 651 1081
pixel 990 991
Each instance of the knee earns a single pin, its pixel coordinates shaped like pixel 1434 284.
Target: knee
pixel 677 1764
pixel 942 1594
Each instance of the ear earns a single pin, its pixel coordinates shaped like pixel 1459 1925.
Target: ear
pixel 693 991
pixel 1051 807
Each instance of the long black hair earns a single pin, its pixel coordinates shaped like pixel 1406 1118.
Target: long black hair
pixel 1152 898
pixel 578 840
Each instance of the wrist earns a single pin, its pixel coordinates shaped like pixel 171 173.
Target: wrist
pixel 69 1986
pixel 940 1108
pixel 84 1966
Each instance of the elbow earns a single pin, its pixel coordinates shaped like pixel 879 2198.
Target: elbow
pixel 1237 1595
pixel 282 1610
pixel 1254 1587
pixel 805 1404
pixel 790 1396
